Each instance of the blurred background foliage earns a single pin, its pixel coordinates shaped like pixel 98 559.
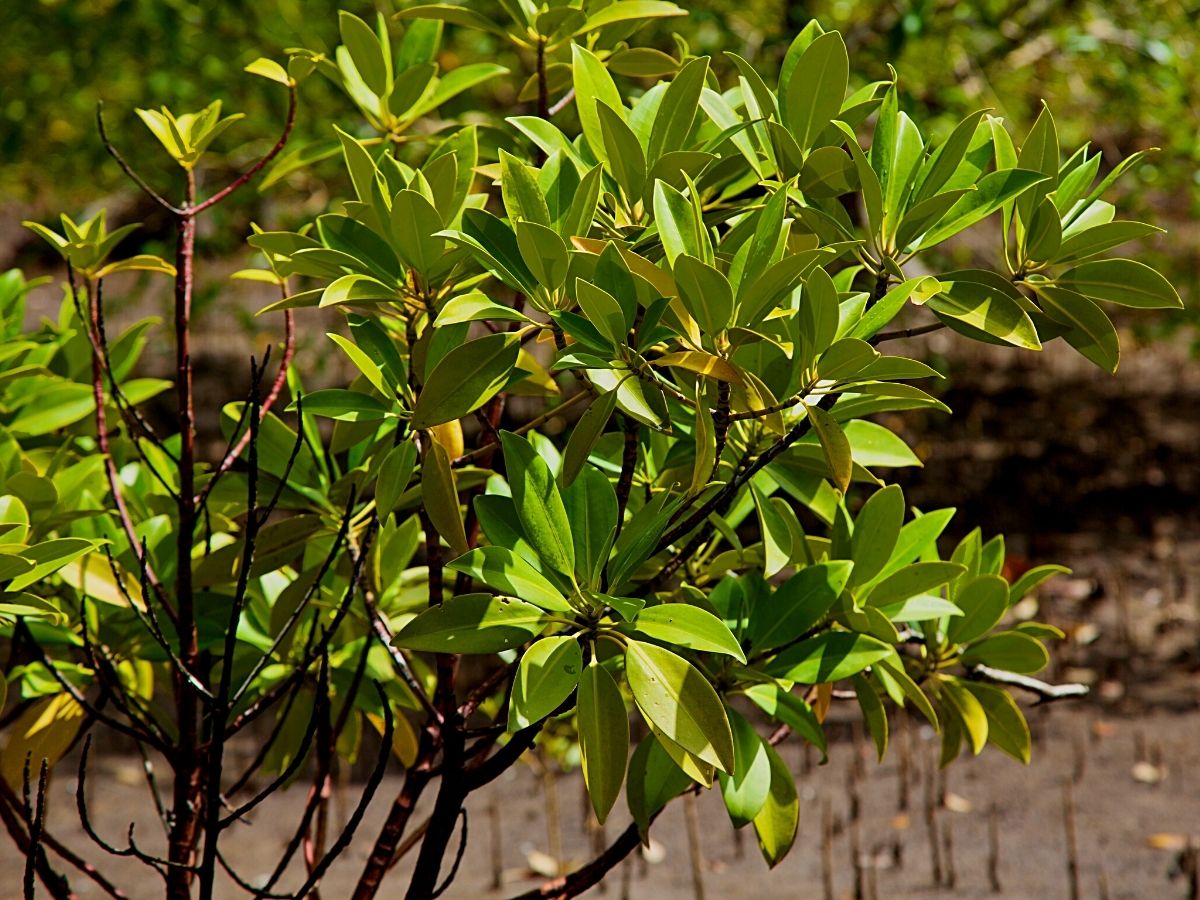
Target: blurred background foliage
pixel 1122 74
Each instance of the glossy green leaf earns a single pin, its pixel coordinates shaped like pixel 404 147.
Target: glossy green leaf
pixel 983 601
pixel 687 626
pixel 523 198
pixel 779 818
pixel 504 570
pixel 799 604
pixel 828 657
pixel 473 623
pixel 654 780
pixel 1007 729
pixel 1011 651
pixel 991 311
pixel 968 712
pixel 834 445
pixel 876 530
pixel 874 714
pixel 539 505
pixel 918 578
pixel 992 192
pixel 439 493
pixel 816 88
pixel 790 710
pixel 593 85
pixel 548 673
pixel 585 434
pixel 395 472
pixel 672 694
pixel 1122 281
pixel 365 51
pixel 705 292
pixel 603 737
pixel 466 378
pixel 745 791
pixel 591 505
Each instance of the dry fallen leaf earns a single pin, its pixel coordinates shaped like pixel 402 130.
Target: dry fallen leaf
pixel 1166 840
pixel 957 803
pixel 1148 773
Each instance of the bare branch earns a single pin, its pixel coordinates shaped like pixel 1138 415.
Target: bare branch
pixel 1045 692
pixel 257 167
pixel 128 169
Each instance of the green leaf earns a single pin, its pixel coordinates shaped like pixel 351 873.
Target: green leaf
pixel 654 780
pixel 627 11
pixel 1006 726
pixel 593 85
pixel 603 737
pixel 585 434
pixel 993 191
pixel 705 292
pixel 439 494
pixel 828 657
pixel 454 83
pixel 269 69
pixel 476 307
pixel 677 112
pixel 602 310
pixel 673 695
pixel 143 262
pixel 1039 153
pixel 874 715
pixel 834 445
pixel 591 505
pixel 504 570
pixel 345 406
pixel 687 626
pixel 777 821
pixel 799 604
pixel 625 158
pixel 918 578
pixel 538 504
pixel 872 444
pixel 790 710
pixel 876 530
pixel 969 712
pixel 466 378
pixel 453 15
pixel 358 289
pixel 1093 241
pixel 987 309
pixel 1011 651
pixel 775 531
pixel 544 252
pixel 416 225
pixel 549 671
pixel 365 51
pixel 828 172
pixel 523 198
pixel 983 601
pixel 816 88
pixel 944 161
pixel 48 557
pixel 1122 281
pixel 473 623
pixel 1031 579
pixel 676 223
pixel 394 474
pixel 745 791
